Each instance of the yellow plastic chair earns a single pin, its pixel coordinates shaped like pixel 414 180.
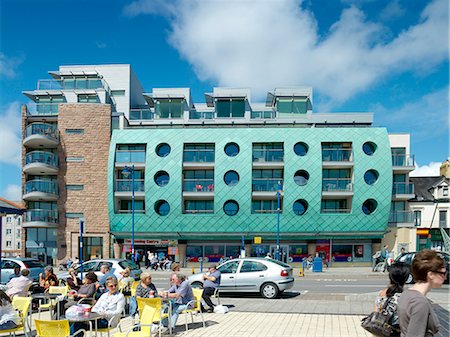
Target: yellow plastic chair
pixel 52 303
pixel 147 315
pixel 197 309
pixel 133 287
pixel 109 328
pixel 54 328
pixel 154 303
pixel 216 295
pixel 21 304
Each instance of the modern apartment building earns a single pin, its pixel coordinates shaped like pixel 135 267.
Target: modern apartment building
pixel 11 228
pixel 209 178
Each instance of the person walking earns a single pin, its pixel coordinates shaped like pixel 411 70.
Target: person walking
pixel 417 317
pixel 211 281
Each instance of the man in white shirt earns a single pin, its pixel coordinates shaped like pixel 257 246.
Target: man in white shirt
pixel 18 286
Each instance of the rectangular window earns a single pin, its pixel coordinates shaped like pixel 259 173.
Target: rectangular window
pixel 334 206
pixel 198 206
pixel 8 231
pixel 298 252
pixel 74 215
pixel 214 252
pixel 442 219
pixel 170 108
pixel 92 247
pixel 266 180
pixel 198 153
pixel 8 244
pixel 337 152
pixel 293 105
pixel 417 218
pixel 116 93
pixel 83 98
pixel 193 253
pixel 445 191
pixel 130 153
pixel 227 108
pixel 74 187
pixel 125 206
pixel 18 245
pixel 268 152
pixel 74 159
pixel 266 206
pixel 18 233
pixel 74 131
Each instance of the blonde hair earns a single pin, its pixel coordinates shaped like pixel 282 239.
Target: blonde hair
pixel 126 272
pixel 144 276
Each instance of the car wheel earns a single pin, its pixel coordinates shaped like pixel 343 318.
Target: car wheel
pixel 269 290
pixel 410 279
pixel 197 285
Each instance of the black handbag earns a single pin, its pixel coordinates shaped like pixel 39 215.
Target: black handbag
pixel 380 323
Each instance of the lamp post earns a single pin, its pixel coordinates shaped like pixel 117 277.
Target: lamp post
pixel 279 190
pixel 126 172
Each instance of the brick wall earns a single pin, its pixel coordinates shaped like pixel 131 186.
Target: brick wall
pixel 92 173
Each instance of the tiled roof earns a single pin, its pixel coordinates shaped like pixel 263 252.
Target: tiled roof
pixel 423 185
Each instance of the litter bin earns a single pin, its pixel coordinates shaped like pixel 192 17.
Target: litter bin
pixel 317 264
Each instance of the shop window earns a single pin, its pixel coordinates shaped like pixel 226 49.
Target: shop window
pixel 298 252
pixel 193 253
pixel 214 252
pixel 232 251
pixel 92 248
pixel 342 253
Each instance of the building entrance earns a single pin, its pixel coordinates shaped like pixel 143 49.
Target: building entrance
pixel 284 252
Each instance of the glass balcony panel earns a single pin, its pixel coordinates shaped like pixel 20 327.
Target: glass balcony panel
pixel 50 85
pixel 141 114
pixel 265 185
pixel 263 115
pixel 44 215
pixel 125 185
pixel 198 185
pixel 123 156
pixel 41 157
pixel 198 156
pixel 403 188
pixel 335 210
pixel 44 109
pixel 41 185
pixel 336 154
pixel 70 84
pixel 41 129
pixel 401 217
pixel 402 160
pixel 201 115
pixel 337 185
pixel 268 155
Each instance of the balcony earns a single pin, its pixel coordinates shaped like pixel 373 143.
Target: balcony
pixel 198 159
pixel 128 157
pixel 335 210
pixel 40 218
pixel 39 135
pixel 41 190
pixel 263 115
pixel 141 114
pixel 332 157
pixel 123 187
pixel 268 156
pixel 201 114
pixel 41 162
pixel 403 191
pixel 337 186
pixel 71 84
pixel 198 188
pixel 403 163
pixel 266 185
pixel 43 109
pixel 401 218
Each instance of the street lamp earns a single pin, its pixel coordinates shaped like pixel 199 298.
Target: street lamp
pixel 279 190
pixel 126 172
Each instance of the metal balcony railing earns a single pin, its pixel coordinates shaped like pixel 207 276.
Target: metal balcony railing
pixel 198 211
pixel 141 114
pixel 41 185
pixel 201 115
pixel 402 160
pixel 401 217
pixel 42 109
pixel 41 129
pixel 42 157
pixel 198 185
pixel 198 156
pixel 335 210
pixel 125 185
pixel 130 156
pixel 266 185
pixel 263 115
pixel 128 211
pixel 336 154
pixel 403 188
pixel 337 185
pixel 273 155
pixel 44 215
pixel 265 211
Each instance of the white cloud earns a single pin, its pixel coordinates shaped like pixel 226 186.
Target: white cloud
pixel 8 65
pixel 392 11
pixel 12 193
pixel 265 44
pixel 10 131
pixel 429 170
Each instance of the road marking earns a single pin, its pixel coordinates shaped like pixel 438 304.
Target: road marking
pixel 353 285
pixel 303 292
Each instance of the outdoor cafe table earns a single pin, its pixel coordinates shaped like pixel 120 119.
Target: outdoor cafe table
pixel 89 317
pixel 48 297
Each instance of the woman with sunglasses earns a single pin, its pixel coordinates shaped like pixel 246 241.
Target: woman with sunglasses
pixel 417 317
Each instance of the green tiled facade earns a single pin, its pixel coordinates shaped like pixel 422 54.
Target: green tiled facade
pixel 219 226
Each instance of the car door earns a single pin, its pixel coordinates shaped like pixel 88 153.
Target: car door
pixel 228 275
pixel 251 276
pixel 7 270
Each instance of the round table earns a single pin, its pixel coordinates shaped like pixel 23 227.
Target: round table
pixel 91 316
pixel 47 296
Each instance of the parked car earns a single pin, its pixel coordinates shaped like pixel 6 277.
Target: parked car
pixel 117 265
pixel 266 276
pixel 408 258
pixel 8 264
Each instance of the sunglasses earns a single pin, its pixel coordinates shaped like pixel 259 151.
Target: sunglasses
pixel 112 286
pixel 443 273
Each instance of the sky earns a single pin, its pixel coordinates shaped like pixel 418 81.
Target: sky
pixel 389 57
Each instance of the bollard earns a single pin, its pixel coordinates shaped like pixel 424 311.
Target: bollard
pixel 301 272
pixel 193 270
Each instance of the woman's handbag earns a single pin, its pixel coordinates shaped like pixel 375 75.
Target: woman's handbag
pixel 382 323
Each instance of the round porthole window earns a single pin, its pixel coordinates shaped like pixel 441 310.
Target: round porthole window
pixel 300 149
pixel 371 177
pixel 231 207
pixel 231 149
pixel 300 207
pixel 162 178
pixel 369 148
pixel 231 178
pixel 163 150
pixel 369 206
pixel 301 177
pixel 162 207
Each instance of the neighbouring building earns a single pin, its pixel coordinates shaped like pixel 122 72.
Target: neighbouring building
pixel 11 228
pixel 208 178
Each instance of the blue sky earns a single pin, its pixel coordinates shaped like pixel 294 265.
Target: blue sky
pixel 386 57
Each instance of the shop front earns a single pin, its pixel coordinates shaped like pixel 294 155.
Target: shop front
pixel 161 248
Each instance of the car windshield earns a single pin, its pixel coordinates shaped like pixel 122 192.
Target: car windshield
pixel 34 264
pixel 128 264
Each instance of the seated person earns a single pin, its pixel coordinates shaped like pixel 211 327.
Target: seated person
pixel 16 273
pixel 181 292
pixel 18 286
pixel 9 318
pixel 73 280
pixel 211 281
pixel 87 290
pixel 107 272
pixel 125 282
pixel 48 280
pixel 110 305
pixel 146 289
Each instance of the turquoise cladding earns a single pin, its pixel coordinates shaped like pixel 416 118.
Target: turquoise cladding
pixel 312 223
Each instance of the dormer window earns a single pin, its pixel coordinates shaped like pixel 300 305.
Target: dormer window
pixel 293 105
pixel 230 107
pixel 445 191
pixel 170 108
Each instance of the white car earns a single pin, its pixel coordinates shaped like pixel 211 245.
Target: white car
pixel 117 265
pixel 266 276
